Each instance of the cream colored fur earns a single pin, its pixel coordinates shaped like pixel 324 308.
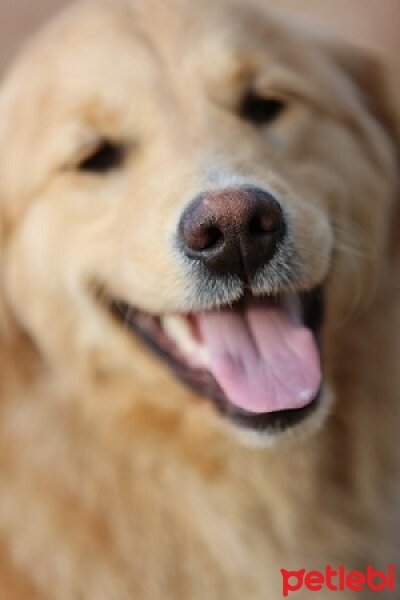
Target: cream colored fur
pixel 117 483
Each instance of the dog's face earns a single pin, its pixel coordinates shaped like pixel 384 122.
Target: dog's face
pixel 203 180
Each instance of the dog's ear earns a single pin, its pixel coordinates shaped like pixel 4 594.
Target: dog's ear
pixel 4 316
pixel 3 312
pixel 378 85
pixel 376 80
pixel 7 320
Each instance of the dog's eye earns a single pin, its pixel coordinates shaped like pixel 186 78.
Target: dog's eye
pixel 261 110
pixel 104 157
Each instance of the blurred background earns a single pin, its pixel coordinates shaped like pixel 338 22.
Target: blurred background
pixel 371 23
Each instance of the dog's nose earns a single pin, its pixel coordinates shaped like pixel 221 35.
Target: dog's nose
pixel 232 231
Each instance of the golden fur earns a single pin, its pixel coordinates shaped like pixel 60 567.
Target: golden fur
pixel 117 481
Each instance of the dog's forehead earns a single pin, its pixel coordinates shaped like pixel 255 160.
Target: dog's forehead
pixel 112 60
pixel 166 30
pixel 117 48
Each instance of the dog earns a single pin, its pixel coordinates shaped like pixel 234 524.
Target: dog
pixel 199 316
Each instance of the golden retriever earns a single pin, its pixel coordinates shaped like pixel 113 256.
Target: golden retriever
pixel 199 325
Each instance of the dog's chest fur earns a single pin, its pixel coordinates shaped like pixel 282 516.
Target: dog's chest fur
pixel 146 505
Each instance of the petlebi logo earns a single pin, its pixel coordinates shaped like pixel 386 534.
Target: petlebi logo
pixel 338 580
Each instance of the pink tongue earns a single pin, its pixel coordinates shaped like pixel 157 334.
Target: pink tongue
pixel 263 360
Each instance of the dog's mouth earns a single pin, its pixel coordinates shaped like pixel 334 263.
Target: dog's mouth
pixel 258 359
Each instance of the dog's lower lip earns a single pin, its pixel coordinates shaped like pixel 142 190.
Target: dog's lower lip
pixel 150 330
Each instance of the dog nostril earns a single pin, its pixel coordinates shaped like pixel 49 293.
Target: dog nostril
pixel 213 237
pixel 203 238
pixel 266 222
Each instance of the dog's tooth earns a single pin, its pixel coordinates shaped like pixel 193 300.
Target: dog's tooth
pixel 178 329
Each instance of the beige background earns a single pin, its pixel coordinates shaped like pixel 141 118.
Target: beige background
pixel 372 22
